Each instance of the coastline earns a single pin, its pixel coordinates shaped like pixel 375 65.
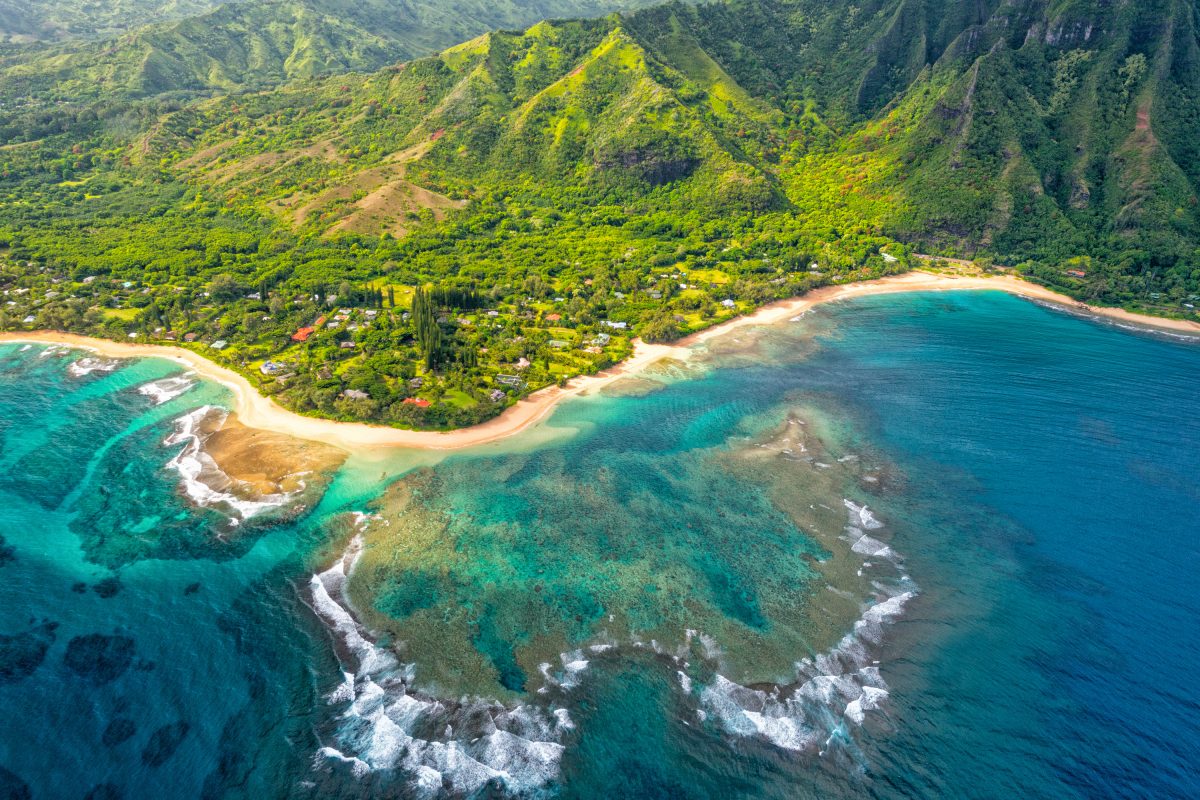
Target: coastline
pixel 258 411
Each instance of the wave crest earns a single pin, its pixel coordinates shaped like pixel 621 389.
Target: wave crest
pixel 167 389
pixel 202 480
pixel 459 746
pixel 89 364
pixel 832 690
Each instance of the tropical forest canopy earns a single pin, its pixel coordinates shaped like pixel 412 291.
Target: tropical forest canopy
pixel 421 241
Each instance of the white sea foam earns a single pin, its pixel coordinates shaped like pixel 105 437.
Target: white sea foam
pixel 842 684
pixel 370 659
pixel 358 765
pixel 865 519
pixel 865 545
pixel 166 389
pixel 781 731
pixel 344 693
pixel 482 741
pixel 198 472
pixel 89 364
pixel 871 699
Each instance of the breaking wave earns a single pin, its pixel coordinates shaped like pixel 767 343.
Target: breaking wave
pixel 438 746
pixel 202 480
pixel 167 389
pixel 89 364
pixel 833 691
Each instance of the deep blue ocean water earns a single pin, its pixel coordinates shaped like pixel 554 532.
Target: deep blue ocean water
pixel 1042 489
pixel 1054 655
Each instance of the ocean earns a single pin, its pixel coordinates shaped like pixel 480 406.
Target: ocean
pixel 920 545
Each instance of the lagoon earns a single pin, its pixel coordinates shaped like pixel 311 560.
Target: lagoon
pixel 968 517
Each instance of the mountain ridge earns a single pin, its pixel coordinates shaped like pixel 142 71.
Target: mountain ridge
pixel 243 46
pixel 642 173
pixel 1066 160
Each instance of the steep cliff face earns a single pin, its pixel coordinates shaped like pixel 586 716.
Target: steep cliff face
pixel 1064 129
pixel 1030 129
pixel 1064 133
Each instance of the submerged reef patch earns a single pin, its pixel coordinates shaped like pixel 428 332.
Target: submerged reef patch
pixel 49 474
pixel 118 731
pixel 482 587
pixel 222 489
pixel 735 565
pixel 601 542
pixel 164 742
pixel 99 658
pixel 22 653
pixel 107 588
pixel 12 787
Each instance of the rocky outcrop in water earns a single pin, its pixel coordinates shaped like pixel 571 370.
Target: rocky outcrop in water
pixel 98 658
pixel 21 654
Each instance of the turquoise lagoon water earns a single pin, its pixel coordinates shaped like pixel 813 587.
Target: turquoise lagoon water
pixel 1018 614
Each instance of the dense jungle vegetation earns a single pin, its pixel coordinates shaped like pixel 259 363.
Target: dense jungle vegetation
pixel 422 243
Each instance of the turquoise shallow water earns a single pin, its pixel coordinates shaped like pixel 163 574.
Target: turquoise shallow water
pixel 1035 472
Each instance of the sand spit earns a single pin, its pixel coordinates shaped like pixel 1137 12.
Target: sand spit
pixel 246 472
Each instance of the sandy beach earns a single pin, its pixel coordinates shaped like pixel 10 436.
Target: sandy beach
pixel 256 411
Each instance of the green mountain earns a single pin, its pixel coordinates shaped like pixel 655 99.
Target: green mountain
pixel 1061 132
pixel 571 105
pixel 243 46
pixel 49 20
pixel 1054 133
pixel 648 172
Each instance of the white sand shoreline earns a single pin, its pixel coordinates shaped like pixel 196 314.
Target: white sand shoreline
pixel 258 411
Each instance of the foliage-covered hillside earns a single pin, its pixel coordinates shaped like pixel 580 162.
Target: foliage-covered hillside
pixel 244 45
pixel 511 210
pixel 1062 134
pixel 48 20
pixel 1068 138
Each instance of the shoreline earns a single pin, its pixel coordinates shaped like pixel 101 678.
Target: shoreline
pixel 258 411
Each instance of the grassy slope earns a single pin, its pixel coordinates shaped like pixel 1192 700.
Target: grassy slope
pixel 577 104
